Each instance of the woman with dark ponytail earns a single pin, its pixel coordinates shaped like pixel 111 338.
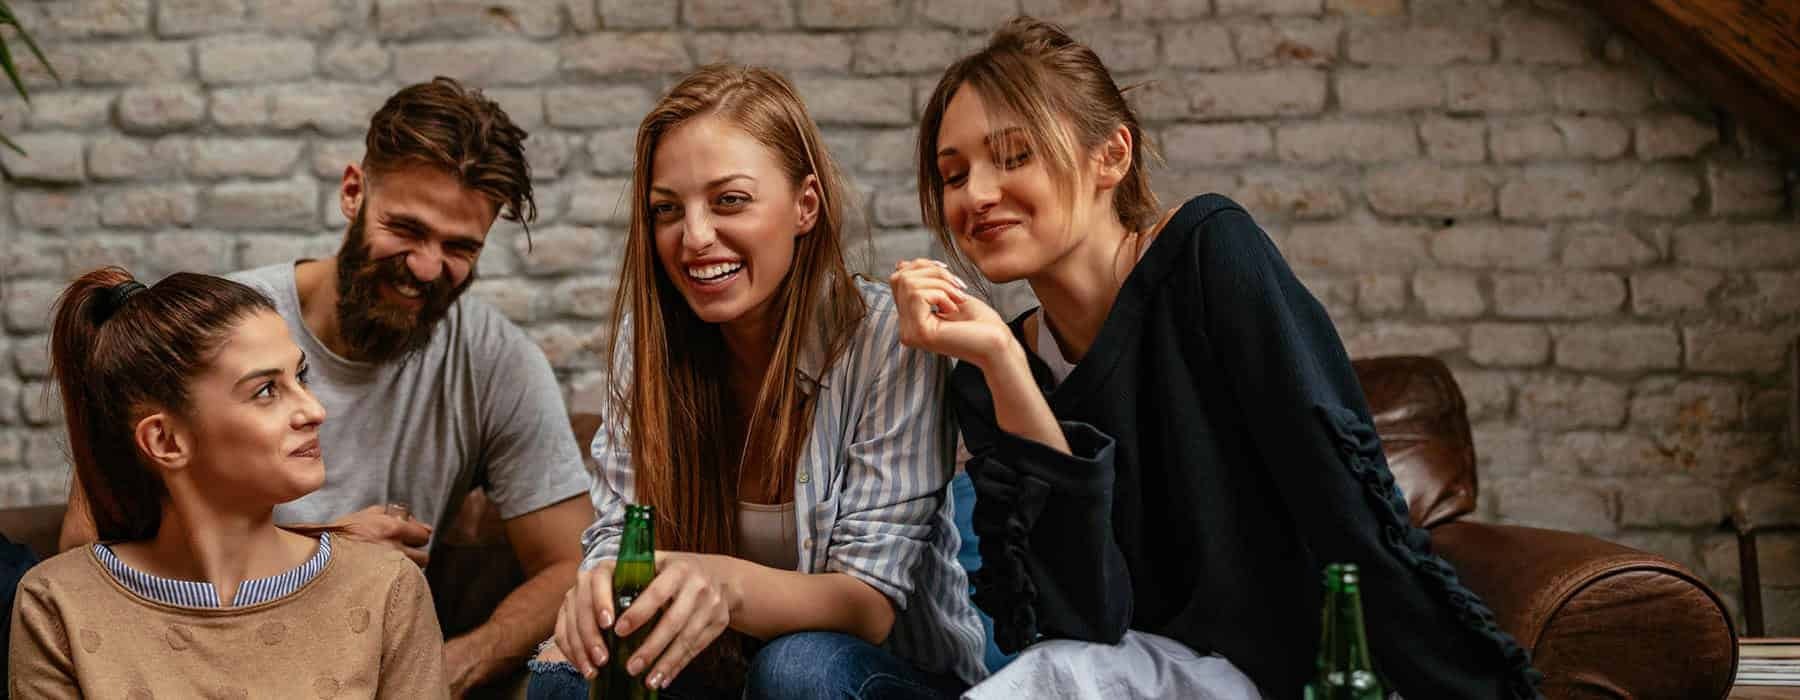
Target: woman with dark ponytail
pixel 188 421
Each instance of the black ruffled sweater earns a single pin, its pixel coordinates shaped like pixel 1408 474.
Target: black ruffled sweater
pixel 1223 454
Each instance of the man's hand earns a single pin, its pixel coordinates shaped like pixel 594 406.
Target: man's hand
pixel 374 524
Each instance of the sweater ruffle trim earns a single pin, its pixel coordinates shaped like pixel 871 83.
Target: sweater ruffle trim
pixel 1007 506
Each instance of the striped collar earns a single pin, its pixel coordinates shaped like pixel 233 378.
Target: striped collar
pixel 201 594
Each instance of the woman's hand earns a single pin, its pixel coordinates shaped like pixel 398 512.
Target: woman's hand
pixel 939 315
pixel 586 609
pixel 695 603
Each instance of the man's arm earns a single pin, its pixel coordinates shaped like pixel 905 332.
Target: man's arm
pixel 548 544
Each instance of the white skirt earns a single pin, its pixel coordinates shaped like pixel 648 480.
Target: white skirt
pixel 1141 665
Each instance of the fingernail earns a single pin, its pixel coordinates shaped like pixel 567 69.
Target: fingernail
pixel 656 680
pixel 587 672
pixel 941 264
pixel 599 655
pixel 605 619
pixel 959 282
pixel 635 666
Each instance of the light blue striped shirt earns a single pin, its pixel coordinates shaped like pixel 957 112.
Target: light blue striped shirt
pixel 871 497
pixel 201 594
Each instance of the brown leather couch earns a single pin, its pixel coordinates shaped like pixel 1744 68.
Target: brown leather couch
pixel 1601 620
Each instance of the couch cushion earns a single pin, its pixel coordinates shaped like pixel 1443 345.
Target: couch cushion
pixel 1424 428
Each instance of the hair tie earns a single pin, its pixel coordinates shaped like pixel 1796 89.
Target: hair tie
pixel 116 296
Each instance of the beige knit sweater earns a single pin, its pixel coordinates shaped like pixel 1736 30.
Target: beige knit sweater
pixel 363 628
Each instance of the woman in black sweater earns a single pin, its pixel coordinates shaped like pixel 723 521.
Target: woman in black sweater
pixel 1167 454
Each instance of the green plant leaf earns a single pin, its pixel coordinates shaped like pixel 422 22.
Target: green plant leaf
pixel 9 144
pixel 12 73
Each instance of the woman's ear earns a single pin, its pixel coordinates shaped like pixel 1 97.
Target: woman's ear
pixel 807 205
pixel 166 442
pixel 1113 158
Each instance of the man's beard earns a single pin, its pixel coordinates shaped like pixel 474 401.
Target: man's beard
pixel 374 329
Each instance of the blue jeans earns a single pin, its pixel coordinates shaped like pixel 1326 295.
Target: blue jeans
pixel 801 665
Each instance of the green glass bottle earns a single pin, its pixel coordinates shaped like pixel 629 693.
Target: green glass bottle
pixel 1343 670
pixel 631 575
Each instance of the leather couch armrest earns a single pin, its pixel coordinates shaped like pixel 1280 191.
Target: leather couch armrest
pixel 1600 619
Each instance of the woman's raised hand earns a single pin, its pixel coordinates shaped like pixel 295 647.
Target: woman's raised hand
pixel 938 314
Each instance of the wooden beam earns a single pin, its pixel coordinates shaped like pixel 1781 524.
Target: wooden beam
pixel 1742 54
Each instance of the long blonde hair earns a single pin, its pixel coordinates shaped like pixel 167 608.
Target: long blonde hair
pixel 674 397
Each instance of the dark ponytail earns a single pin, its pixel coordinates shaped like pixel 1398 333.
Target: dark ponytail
pixel 120 351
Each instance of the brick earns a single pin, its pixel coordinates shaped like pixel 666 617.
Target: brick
pixel 895 208
pixel 1423 189
pixel 1369 246
pixel 32 356
pixel 1449 294
pixel 435 19
pixel 1494 89
pixel 565 347
pixel 330 157
pixel 1287 195
pixel 1773 295
pixel 1288 42
pixel 1558 192
pixel 1138 10
pixel 186 18
pixel 736 14
pixel 850 14
pixel 28 304
pixel 1533 37
pixel 1565 402
pixel 1607 249
pixel 1502 450
pixel 40 404
pixel 1122 50
pixel 1198 46
pixel 9 414
pixel 597 106
pixel 1396 90
pixel 957 14
pixel 1719 455
pixel 1417 45
pixel 797 52
pixel 1604 453
pixel 237 60
pixel 1269 93
pixel 609 56
pixel 1600 138
pixel 149 207
pixel 549 152
pixel 1367 8
pixel 216 158
pixel 1562 504
pixel 95 250
pixel 1070 13
pixel 307 17
pixel 1664 403
pixel 907 51
pixel 523 105
pixel 1602 90
pixel 1767 410
pixel 1558 295
pixel 1453 140
pixel 1632 348
pixel 46 451
pixel 885 151
pixel 585 297
pixel 1747 189
pixel 161 108
pixel 30 256
pixel 600 201
pixel 69 110
pixel 1488 246
pixel 1674 136
pixel 1662 292
pixel 271 205
pixel 1778 557
pixel 611 151
pixel 564 249
pixel 476 61
pixel 1217 144
pixel 1508 344
pixel 54 209
pixel 238 108
pixel 1376 294
pixel 191 251
pixel 331 108
pixel 48 158
pixel 257 250
pixel 131 63
pixel 85 18
pixel 1738 246
pixel 1523 140
pixel 870 101
pixel 1714 348
pixel 1269 7
pixel 355 60
pixel 634 14
pixel 516 299
pixel 1357 142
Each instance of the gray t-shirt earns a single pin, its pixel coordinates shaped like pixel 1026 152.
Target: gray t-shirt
pixel 477 404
